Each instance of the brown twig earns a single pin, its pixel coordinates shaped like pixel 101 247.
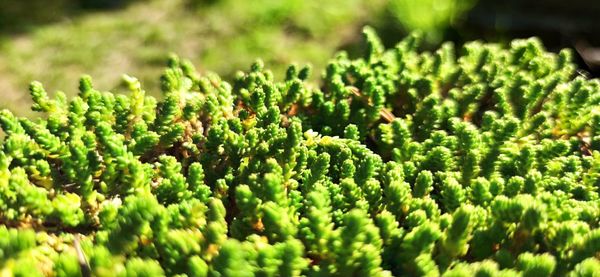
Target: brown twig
pixel 86 271
pixel 384 113
pixel 585 143
pixel 48 226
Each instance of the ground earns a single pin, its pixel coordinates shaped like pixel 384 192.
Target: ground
pixel 223 37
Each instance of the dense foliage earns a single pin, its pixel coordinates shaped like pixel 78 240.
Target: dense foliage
pixel 482 161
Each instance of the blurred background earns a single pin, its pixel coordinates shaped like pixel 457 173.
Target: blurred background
pixel 57 41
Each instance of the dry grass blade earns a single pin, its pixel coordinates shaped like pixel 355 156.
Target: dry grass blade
pixel 386 114
pixel 83 263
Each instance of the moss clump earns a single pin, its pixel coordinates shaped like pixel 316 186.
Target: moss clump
pixel 457 163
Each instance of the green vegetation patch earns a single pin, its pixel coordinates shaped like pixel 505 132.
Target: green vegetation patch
pixel 223 37
pixel 479 161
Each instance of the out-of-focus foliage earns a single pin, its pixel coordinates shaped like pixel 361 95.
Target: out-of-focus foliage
pixel 222 36
pixel 15 14
pixel 19 16
pixel 433 17
pixel 483 161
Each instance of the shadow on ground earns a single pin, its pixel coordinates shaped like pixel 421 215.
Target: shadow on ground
pixel 18 16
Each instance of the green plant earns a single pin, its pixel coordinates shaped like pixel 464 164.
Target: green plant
pixel 399 163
